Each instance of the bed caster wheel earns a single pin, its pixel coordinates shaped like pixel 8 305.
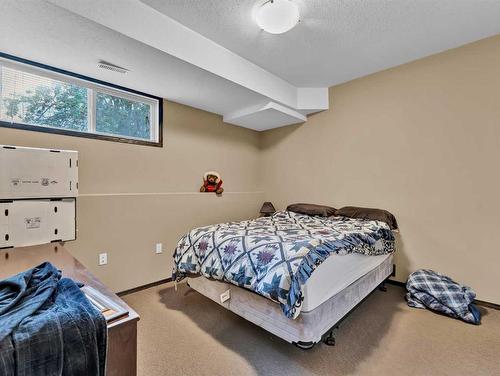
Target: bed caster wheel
pixel 329 340
pixel 304 345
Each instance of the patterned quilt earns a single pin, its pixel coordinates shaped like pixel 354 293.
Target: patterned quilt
pixel 429 289
pixel 274 256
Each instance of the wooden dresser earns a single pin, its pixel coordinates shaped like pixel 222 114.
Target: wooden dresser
pixel 122 333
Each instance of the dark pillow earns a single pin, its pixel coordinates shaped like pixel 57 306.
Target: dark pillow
pixel 367 213
pixel 312 209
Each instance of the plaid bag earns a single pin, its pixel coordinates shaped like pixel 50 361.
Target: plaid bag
pixel 428 289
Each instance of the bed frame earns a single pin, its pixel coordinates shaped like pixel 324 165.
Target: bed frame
pixel 308 328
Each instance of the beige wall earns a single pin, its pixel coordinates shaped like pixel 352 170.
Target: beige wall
pixel 421 140
pixel 132 197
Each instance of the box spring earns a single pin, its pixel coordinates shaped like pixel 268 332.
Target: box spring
pixel 309 327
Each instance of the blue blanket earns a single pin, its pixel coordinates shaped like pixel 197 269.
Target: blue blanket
pixel 428 289
pixel 275 256
pixel 48 327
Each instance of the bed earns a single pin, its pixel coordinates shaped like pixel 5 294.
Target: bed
pixel 294 275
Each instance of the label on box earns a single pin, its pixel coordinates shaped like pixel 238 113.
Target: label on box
pixel 44 182
pixel 33 222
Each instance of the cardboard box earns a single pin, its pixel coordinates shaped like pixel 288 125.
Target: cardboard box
pixel 37 173
pixel 31 222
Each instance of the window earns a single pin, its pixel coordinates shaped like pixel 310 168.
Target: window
pixel 41 98
pixel 122 116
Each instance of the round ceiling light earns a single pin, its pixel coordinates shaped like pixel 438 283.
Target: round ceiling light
pixel 277 16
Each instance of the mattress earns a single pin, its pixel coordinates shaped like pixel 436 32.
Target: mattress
pixel 335 274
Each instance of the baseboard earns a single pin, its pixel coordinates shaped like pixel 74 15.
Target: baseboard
pixel 144 287
pixel 478 302
pixel 487 304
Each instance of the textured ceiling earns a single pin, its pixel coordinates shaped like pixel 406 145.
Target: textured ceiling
pixel 339 40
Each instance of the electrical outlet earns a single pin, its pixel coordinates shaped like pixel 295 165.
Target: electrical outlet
pixel 159 248
pixel 103 258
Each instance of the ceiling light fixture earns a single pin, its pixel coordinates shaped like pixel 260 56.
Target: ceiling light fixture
pixel 277 16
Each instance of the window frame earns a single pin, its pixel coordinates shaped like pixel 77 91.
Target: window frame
pixel 93 87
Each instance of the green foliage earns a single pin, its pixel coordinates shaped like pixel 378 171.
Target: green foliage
pixel 60 105
pixel 121 116
pixel 65 106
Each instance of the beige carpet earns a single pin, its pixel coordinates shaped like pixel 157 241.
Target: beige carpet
pixel 184 333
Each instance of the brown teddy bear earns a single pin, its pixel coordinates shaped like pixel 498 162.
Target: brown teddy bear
pixel 212 183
